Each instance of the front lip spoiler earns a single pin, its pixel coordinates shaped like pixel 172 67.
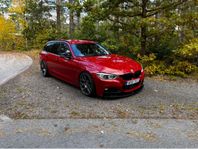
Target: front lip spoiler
pixel 122 94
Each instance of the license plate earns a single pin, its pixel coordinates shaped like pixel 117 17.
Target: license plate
pixel 131 82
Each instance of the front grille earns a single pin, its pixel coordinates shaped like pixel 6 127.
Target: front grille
pixel 127 76
pixel 137 74
pixel 130 76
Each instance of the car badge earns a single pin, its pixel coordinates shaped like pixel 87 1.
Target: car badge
pixel 132 70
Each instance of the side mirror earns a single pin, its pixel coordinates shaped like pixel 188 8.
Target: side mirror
pixel 68 54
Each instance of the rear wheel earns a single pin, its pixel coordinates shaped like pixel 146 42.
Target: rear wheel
pixel 86 84
pixel 44 69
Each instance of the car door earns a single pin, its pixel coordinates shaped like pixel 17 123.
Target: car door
pixel 67 66
pixel 52 57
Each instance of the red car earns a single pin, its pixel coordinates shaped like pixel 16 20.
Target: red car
pixel 91 67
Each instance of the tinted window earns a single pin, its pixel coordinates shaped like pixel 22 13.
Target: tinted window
pixel 63 48
pixel 48 47
pixel 55 48
pixel 52 47
pixel 89 50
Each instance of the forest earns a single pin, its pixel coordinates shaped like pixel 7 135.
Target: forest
pixel 161 34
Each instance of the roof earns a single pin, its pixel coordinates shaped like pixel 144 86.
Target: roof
pixel 74 41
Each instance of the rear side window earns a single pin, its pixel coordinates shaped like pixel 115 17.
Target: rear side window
pixel 52 47
pixel 48 47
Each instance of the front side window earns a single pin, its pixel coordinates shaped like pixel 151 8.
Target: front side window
pixel 89 50
pixel 63 49
pixel 55 47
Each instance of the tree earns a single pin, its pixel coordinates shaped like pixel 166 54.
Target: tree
pixel 37 14
pixel 7 33
pixel 75 9
pixel 71 18
pixel 136 17
pixel 4 5
pixel 17 14
pixel 58 14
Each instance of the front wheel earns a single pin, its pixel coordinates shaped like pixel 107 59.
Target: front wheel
pixel 86 84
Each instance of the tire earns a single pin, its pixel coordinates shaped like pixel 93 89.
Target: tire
pixel 87 86
pixel 44 69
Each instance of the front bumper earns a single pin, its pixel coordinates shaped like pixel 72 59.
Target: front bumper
pixel 116 87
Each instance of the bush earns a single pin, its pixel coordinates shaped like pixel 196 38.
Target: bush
pixel 19 43
pixel 163 46
pixel 151 65
pixel 147 60
pixel 185 67
pixel 189 51
pixel 177 68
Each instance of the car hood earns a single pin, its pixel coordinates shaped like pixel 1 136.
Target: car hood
pixel 113 63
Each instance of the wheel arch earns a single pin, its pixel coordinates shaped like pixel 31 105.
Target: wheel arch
pixel 84 71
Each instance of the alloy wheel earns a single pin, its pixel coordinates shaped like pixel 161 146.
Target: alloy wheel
pixel 86 84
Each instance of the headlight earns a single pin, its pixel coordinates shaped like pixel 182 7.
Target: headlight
pixel 106 76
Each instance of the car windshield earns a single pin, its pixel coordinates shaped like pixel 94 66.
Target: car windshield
pixel 91 49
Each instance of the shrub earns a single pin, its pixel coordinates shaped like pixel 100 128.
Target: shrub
pixel 185 67
pixel 19 43
pixel 189 51
pixel 154 68
pixel 151 65
pixel 177 68
pixel 147 60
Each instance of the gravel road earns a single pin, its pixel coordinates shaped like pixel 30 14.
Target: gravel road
pixel 29 95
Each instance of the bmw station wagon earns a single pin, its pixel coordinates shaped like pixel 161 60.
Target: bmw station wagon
pixel 91 67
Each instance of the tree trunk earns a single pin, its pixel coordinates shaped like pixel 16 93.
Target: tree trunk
pixel 143 28
pixel 143 40
pixel 78 20
pixel 58 14
pixel 71 20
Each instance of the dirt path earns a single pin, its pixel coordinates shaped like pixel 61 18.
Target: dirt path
pixel 12 65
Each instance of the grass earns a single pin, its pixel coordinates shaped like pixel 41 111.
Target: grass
pixel 20 115
pixel 75 114
pixel 122 113
pixel 33 53
pixel 147 136
pixel 193 135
